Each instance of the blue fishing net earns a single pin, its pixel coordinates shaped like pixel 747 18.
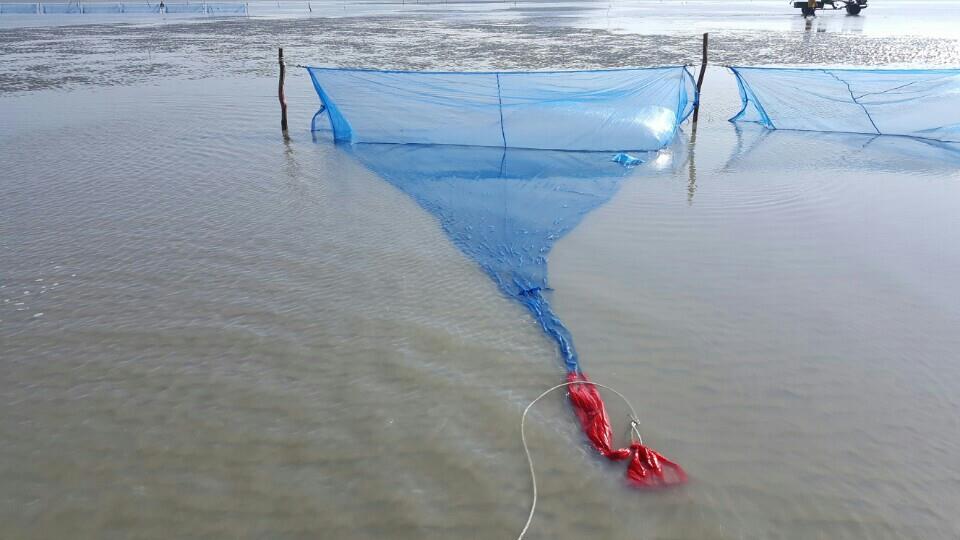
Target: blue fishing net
pixel 102 8
pixel 915 103
pixel 504 208
pixel 509 163
pixel 141 7
pixel 18 9
pixel 61 9
pixel 185 8
pixel 600 110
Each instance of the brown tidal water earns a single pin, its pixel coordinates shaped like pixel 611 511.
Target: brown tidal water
pixel 208 331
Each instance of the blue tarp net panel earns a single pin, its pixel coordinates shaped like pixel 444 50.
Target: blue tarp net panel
pixel 99 8
pixel 141 8
pixel 184 8
pixel 60 9
pixel 600 110
pixel 503 208
pixel 915 103
pixel 18 9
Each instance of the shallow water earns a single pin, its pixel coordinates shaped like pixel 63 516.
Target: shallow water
pixel 209 331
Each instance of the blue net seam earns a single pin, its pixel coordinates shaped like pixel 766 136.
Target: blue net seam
pixel 503 134
pixel 855 100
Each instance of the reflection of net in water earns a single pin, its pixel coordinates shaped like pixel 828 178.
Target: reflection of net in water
pixel 923 103
pixel 761 149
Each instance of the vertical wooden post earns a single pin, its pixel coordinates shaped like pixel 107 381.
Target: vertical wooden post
pixel 283 99
pixel 703 70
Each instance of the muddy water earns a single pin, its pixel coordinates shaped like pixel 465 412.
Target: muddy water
pixel 208 331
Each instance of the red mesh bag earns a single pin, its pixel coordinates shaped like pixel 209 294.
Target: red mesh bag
pixel 648 468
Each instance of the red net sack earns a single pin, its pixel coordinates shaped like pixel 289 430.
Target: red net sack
pixel 647 468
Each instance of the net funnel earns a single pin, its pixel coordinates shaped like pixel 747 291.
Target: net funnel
pixel 185 8
pixel 508 163
pixel 505 208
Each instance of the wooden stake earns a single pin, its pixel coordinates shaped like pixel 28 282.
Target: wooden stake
pixel 703 70
pixel 283 99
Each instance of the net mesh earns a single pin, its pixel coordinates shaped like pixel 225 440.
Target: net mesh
pixel 503 163
pixel 503 208
pixel 18 9
pixel 185 8
pixel 102 8
pixel 61 9
pixel 141 7
pixel 915 103
pixel 601 110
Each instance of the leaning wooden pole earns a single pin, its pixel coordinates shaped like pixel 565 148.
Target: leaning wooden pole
pixel 703 70
pixel 283 99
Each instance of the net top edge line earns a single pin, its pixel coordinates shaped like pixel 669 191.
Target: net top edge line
pixel 545 72
pixel 858 70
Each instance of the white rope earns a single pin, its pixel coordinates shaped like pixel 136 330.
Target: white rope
pixel 634 428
